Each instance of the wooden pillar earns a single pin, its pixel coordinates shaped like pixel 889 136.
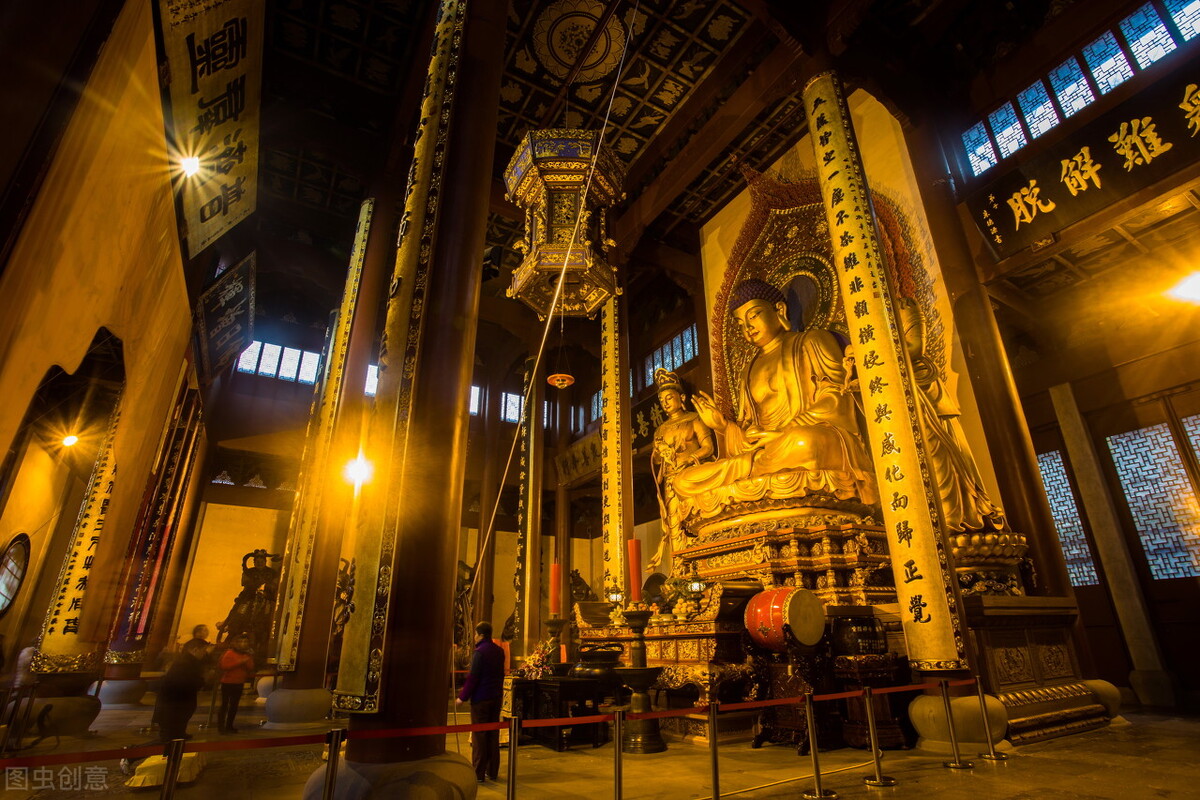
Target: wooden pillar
pixel 530 470
pixel 562 513
pixel 1009 443
pixel 414 675
pixel 489 498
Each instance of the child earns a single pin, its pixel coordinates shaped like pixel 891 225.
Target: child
pixel 237 666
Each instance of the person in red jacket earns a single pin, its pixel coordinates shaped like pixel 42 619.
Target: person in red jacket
pixel 237 667
pixel 483 688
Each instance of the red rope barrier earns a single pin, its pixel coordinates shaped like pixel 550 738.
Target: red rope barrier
pixel 963 682
pixel 90 755
pixel 568 721
pixel 779 701
pixel 253 744
pixel 910 688
pixel 838 695
pixel 396 733
pixel 670 712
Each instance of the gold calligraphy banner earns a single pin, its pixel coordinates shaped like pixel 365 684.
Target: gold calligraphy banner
pixel 60 648
pixel 911 509
pixel 317 469
pixel 370 547
pixel 616 461
pixel 213 50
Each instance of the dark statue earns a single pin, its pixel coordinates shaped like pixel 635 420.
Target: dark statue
pixel 254 606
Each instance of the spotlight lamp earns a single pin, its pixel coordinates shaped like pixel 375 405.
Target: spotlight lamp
pixel 190 165
pixel 70 440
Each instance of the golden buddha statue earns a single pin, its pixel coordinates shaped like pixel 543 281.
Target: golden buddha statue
pixel 682 440
pixel 965 503
pixel 796 433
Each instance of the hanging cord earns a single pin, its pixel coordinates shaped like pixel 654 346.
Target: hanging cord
pixel 487 535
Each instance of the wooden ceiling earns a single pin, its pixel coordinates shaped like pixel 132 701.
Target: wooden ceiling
pixel 686 90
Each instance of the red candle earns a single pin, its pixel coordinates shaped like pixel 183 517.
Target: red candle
pixel 556 588
pixel 635 570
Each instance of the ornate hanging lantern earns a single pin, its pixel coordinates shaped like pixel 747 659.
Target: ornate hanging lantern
pixel 560 380
pixel 547 176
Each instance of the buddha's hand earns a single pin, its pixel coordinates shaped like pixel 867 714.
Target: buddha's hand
pixel 707 409
pixel 752 434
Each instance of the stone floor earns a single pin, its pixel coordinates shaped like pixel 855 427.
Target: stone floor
pixel 1150 756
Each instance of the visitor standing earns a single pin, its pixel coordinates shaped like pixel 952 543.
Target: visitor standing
pixel 483 688
pixel 237 665
pixel 176 699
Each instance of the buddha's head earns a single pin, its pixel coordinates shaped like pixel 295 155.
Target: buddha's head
pixel 670 391
pixel 759 311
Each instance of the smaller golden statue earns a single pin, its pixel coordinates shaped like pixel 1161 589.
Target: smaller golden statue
pixel 965 503
pixel 683 440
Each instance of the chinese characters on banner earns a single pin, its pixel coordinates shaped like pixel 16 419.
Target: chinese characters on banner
pixel 1145 139
pixel 928 606
pixel 225 317
pixel 214 54
pixel 60 649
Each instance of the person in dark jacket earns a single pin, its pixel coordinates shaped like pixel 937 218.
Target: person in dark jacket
pixel 177 694
pixel 483 688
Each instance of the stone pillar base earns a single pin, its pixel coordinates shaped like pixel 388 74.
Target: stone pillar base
pixel 928 715
pixel 120 693
pixel 295 709
pixel 445 777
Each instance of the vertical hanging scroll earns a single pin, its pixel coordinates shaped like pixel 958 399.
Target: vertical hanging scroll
pixel 616 459
pixel 213 51
pixel 911 508
pixel 317 470
pixel 60 648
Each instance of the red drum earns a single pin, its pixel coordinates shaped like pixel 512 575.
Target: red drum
pixel 769 610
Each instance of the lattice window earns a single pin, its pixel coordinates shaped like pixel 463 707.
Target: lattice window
pixel 1186 14
pixel 476 401
pixel 511 406
pixel 1080 565
pixel 289 364
pixel 1107 63
pixel 309 366
pixel 1039 112
pixel 980 153
pixel 1071 87
pixel 372 384
pixel 248 361
pixel 1160 499
pixel 1147 36
pixel 672 355
pixel 1007 130
pixel 597 406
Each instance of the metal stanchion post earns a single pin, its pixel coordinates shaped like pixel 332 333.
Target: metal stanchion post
pixel 334 739
pixel 618 724
pixel 991 754
pixel 212 708
pixel 712 750
pixel 514 734
pixel 957 763
pixel 817 793
pixel 174 756
pixel 879 779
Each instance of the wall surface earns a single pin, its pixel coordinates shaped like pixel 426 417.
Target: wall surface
pixel 226 534
pixel 99 249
